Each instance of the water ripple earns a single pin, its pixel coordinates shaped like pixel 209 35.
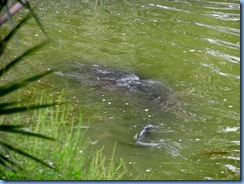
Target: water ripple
pixel 232 168
pixel 232 59
pixel 223 29
pixel 223 43
pixel 224 5
pixel 224 16
pixel 216 69
pixel 169 8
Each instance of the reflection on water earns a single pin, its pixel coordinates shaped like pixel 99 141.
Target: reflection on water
pixel 190 46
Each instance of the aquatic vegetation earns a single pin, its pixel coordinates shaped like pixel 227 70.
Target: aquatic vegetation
pixel 71 155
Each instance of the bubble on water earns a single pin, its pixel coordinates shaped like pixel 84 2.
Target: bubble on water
pixel 104 100
pixel 148 170
pixel 146 110
pixel 109 103
pixel 94 142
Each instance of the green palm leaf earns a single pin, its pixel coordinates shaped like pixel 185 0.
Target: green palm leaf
pixel 15 129
pixel 9 147
pixel 22 109
pixel 2 4
pixel 13 107
pixel 4 90
pixel 26 4
pixel 18 59
pixel 4 42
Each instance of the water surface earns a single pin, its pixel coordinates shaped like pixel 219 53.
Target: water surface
pixel 192 47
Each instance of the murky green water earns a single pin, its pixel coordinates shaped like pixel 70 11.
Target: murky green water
pixel 190 46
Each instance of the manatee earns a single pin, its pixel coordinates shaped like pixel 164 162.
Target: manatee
pixel 124 81
pixel 141 92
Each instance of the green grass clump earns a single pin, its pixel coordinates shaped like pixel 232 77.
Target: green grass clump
pixel 70 155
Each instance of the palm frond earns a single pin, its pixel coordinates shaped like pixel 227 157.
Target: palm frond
pixel 15 129
pixel 4 105
pixel 11 148
pixel 4 90
pixel 4 42
pixel 13 107
pixel 23 109
pixel 26 4
pixel 18 59
pixel 2 4
pixel 9 164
